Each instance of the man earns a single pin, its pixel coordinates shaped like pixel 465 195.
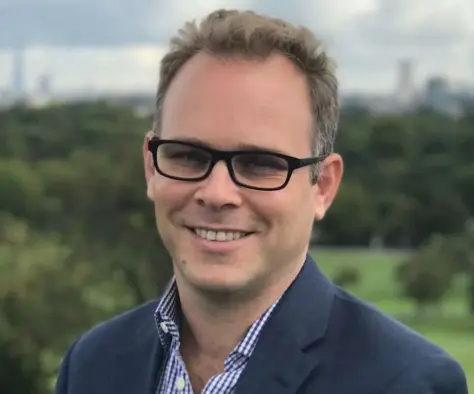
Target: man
pixel 239 165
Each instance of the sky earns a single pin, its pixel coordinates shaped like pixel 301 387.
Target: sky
pixel 116 45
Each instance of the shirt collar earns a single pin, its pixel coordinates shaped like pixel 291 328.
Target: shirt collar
pixel 168 312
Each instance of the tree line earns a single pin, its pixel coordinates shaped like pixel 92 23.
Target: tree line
pixel 406 178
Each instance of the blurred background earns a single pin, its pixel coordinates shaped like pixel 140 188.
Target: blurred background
pixel 77 237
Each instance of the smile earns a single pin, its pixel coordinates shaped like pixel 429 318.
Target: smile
pixel 219 235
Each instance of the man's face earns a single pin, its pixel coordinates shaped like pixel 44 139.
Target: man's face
pixel 226 104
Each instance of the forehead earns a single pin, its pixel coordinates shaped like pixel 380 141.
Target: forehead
pixel 227 102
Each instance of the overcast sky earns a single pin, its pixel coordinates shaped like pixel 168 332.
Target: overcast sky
pixel 117 44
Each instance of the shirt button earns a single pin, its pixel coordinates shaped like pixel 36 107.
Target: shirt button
pixel 164 327
pixel 180 384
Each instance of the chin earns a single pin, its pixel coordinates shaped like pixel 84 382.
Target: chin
pixel 218 288
pixel 218 279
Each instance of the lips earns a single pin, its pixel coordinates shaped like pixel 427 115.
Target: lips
pixel 219 235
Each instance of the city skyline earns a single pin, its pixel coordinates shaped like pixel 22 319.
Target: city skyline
pixel 367 37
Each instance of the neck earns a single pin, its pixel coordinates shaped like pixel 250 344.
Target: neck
pixel 213 324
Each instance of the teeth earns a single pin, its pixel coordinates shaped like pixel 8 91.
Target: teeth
pixel 218 236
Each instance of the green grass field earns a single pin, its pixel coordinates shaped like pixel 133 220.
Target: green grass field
pixel 449 326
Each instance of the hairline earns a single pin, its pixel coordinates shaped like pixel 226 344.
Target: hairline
pixel 236 54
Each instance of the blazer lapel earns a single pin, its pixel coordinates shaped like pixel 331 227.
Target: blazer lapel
pixel 280 368
pixel 288 350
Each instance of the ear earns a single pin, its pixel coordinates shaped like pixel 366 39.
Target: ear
pixel 148 165
pixel 327 185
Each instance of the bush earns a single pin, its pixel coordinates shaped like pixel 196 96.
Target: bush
pixel 347 277
pixel 426 276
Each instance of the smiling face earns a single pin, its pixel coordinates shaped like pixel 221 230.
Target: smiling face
pixel 224 238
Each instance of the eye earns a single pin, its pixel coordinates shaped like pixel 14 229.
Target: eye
pixel 260 165
pixel 263 160
pixel 183 154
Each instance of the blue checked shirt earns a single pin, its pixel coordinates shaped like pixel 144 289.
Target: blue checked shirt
pixel 174 377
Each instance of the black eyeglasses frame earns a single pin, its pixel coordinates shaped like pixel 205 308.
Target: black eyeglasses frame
pixel 226 156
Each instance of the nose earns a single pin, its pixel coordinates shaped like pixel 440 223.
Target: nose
pixel 218 191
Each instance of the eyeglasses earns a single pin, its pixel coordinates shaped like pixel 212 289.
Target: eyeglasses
pixel 252 169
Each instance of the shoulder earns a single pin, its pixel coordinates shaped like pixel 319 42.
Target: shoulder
pixel 121 331
pixel 438 374
pixel 389 350
pixel 93 355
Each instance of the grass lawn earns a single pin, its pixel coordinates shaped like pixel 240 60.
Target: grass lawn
pixel 449 327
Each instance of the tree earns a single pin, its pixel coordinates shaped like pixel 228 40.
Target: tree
pixel 425 277
pixel 78 240
pixel 347 277
pixel 20 373
pixel 458 251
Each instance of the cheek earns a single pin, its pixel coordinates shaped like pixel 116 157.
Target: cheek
pixel 292 211
pixel 169 195
pixel 274 208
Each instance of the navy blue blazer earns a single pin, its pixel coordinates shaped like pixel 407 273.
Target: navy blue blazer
pixel 320 340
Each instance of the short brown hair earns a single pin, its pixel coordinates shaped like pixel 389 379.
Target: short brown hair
pixel 229 32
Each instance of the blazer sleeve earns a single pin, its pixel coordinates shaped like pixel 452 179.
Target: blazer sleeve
pixel 63 373
pixel 436 375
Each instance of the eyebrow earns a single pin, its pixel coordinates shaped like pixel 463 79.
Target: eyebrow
pixel 240 146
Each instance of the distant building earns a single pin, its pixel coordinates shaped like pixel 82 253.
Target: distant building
pixel 437 94
pixel 18 87
pixel 43 94
pixel 375 104
pixel 440 97
pixel 406 95
pixel 44 86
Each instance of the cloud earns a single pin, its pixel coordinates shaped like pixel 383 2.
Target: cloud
pixel 102 42
pixel 438 35
pixel 104 23
pixel 96 69
pixel 421 23
pixel 95 23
